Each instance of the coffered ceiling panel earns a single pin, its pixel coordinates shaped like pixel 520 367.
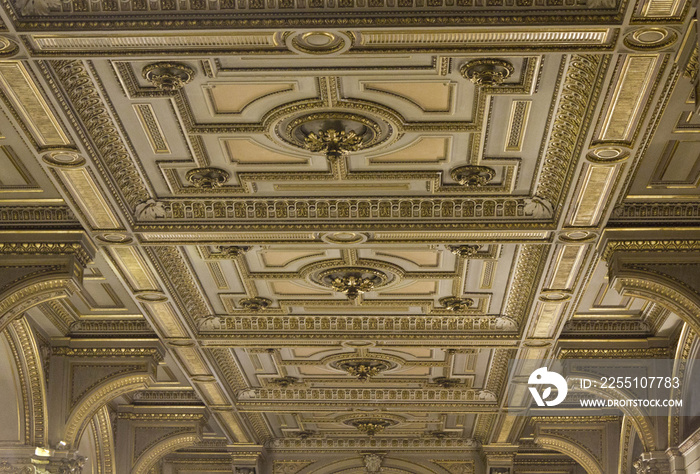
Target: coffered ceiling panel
pixel 343 219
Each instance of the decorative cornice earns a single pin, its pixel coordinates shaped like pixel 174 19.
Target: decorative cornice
pixel 643 212
pixel 613 246
pixel 609 353
pixel 44 215
pixel 76 249
pixel 449 396
pixel 437 210
pixel 111 327
pixel 111 352
pixel 387 325
pixel 394 443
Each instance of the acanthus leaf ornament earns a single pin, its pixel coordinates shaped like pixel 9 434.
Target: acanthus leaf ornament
pixel 285 381
pixel 446 382
pixel 487 71
pixel 371 426
pixel 454 303
pixel 352 281
pixel 207 178
pixel 464 251
pixel 168 76
pixel 363 368
pixel 255 304
pixel 473 175
pixel 333 143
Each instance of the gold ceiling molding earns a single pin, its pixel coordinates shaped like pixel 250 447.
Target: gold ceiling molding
pixel 579 91
pixel 82 251
pixel 138 44
pixel 394 443
pixel 83 188
pixel 343 209
pixel 27 103
pixel 593 194
pixel 655 246
pixel 173 268
pixel 32 380
pixel 627 102
pixel 84 96
pixel 530 264
pixel 456 39
pixel 282 399
pixel 383 326
pixel 152 128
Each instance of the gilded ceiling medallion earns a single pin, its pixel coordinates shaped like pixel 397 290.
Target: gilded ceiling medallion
pixel 256 304
pixel 555 295
pixel 208 178
pixel 464 251
pixel 168 76
pixel 650 38
pixel 333 143
pixel 487 71
pixel 608 154
pixel 344 238
pixel 114 238
pixel 7 47
pixel 318 43
pixel 454 303
pixel 372 426
pixel 363 368
pixel 352 281
pixel 333 132
pixel 151 296
pixel 64 159
pixel 473 175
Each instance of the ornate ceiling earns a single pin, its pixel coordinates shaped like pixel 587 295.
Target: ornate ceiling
pixel 307 289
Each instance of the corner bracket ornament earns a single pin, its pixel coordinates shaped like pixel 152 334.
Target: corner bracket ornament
pixel 38 7
pixel 473 175
pixel 454 303
pixel 464 251
pixel 285 381
pixel 333 143
pixel 149 210
pixel 538 208
pixel 487 71
pixel 209 323
pixel 168 76
pixel 256 303
pixel 207 178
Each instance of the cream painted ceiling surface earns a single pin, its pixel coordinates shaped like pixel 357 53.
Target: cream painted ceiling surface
pixel 475 209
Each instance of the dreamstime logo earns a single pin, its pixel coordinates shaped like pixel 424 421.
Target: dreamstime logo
pixel 542 376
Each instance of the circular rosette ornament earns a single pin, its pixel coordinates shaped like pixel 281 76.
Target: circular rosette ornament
pixel 333 143
pixel 352 281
